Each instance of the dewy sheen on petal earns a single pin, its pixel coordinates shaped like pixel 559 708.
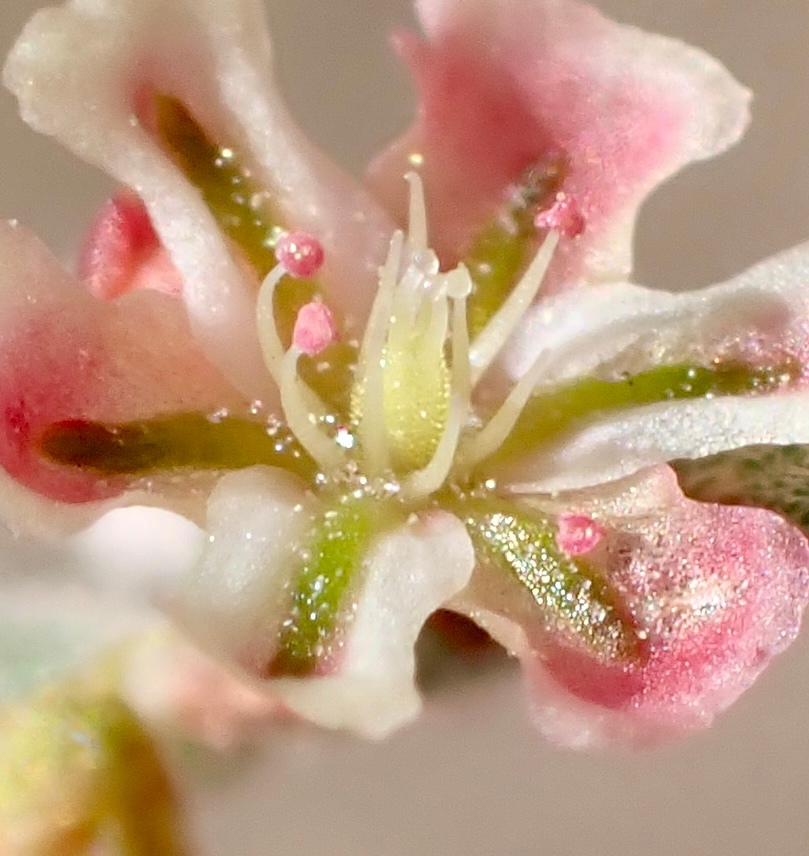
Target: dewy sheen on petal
pixel 713 593
pixel 438 452
pixel 66 356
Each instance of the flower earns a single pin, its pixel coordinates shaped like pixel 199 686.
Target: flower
pixel 479 414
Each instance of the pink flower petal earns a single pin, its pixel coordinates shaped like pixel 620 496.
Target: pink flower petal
pixel 122 252
pixel 714 593
pixel 177 689
pixel 68 356
pixel 506 85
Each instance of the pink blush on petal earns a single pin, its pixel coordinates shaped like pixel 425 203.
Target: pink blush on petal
pixel 35 394
pixel 717 592
pixel 485 119
pixel 122 252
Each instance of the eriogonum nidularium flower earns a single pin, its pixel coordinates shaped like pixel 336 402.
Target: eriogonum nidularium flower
pixel 476 413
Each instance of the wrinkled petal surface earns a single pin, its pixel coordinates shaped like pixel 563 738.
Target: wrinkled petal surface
pixel 236 601
pixel 714 592
pixel 756 322
pixel 506 86
pixel 409 575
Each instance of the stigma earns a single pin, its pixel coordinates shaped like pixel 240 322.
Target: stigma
pixel 412 419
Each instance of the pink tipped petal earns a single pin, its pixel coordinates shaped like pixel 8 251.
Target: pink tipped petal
pixel 714 593
pixel 67 356
pixel 122 252
pixel 621 110
pixel 175 688
pixel 80 72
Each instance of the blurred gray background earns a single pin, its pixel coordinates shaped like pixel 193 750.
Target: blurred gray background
pixel 471 779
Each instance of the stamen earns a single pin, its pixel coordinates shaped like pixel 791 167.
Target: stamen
pixel 429 479
pixel 417 216
pixel 302 418
pixel 497 332
pixel 314 329
pixel 370 385
pixel 459 287
pixel 270 341
pixel 578 534
pixel 492 436
pixel 300 254
pixel 564 216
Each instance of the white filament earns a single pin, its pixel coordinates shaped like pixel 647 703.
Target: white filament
pixel 302 419
pixel 411 310
pixel 271 346
pixel 494 434
pixel 270 341
pixel 417 215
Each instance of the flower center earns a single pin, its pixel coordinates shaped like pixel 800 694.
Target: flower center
pixel 400 415
pixel 412 417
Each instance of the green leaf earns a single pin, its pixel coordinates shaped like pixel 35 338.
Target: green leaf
pixel 774 477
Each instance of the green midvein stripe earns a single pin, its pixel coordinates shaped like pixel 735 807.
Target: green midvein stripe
pixel 504 248
pixel 242 211
pixel 309 636
pixel 167 443
pixel 548 415
pixel 571 598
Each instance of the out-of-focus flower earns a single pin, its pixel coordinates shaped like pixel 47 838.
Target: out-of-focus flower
pixel 476 415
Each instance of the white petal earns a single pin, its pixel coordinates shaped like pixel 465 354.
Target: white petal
pixel 76 71
pixel 410 574
pixel 61 609
pixel 233 598
pixel 608 330
pixel 636 439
